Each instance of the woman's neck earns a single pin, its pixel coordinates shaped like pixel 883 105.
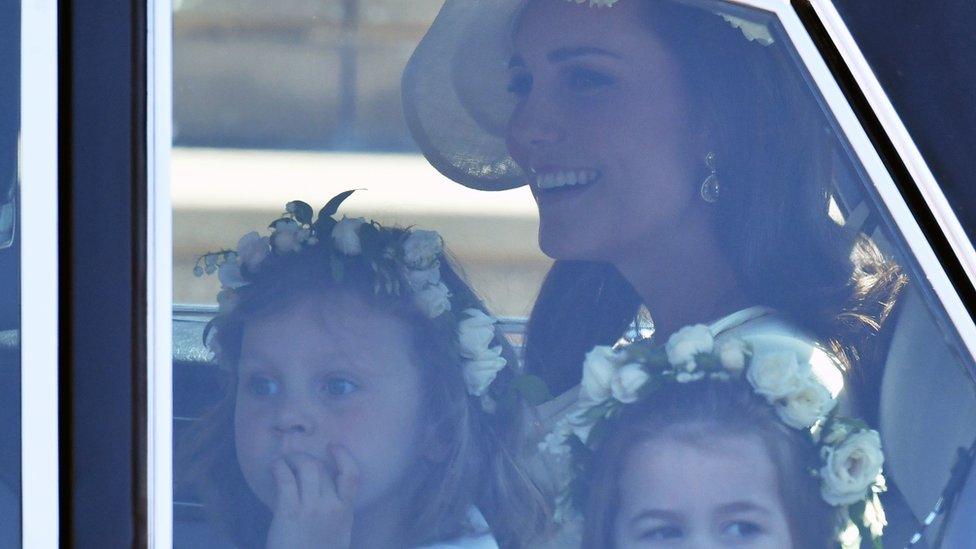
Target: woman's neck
pixel 687 281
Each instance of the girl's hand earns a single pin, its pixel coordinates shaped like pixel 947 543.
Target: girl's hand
pixel 312 508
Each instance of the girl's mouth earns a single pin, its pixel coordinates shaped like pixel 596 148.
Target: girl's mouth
pixel 549 179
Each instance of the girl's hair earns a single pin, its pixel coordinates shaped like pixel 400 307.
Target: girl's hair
pixel 774 159
pixel 477 467
pixel 693 413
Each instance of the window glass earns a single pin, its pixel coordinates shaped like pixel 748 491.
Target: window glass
pixel 668 178
pixel 9 277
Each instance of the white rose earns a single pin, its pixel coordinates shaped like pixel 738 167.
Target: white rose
pixel 687 342
pixel 421 248
pixel 252 249
pixel 479 373
pixel 776 375
pixel 627 381
pixel 285 237
pixel 475 333
pixel 230 275
pixel 851 468
pixel 345 236
pixel 732 354
pixel 803 408
pixel 598 369
pixel 433 300
pixel 419 279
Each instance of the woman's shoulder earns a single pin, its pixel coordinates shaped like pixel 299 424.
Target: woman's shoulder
pixel 767 331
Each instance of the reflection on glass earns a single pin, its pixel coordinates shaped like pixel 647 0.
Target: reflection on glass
pixel 9 277
pixel 724 288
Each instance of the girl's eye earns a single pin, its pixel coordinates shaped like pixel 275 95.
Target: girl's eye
pixel 588 81
pixel 338 386
pixel 262 386
pixel 742 529
pixel 520 84
pixel 662 533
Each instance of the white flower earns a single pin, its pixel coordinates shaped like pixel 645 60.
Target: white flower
pixel 687 342
pixel 732 354
pixel 475 333
pixel 252 249
pixel 227 300
pixel 838 432
pixel 851 468
pixel 777 374
pixel 421 248
pixel 230 275
pixel 804 407
pixel 554 443
pixel 627 381
pixel 874 516
pixel 433 300
pixel 285 237
pixel 480 372
pixel 598 370
pixel 418 279
pixel 688 377
pixel 345 235
pixel 579 424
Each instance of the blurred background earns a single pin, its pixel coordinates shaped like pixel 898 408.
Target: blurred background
pixel 300 99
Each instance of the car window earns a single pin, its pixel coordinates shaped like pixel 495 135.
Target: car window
pixel 604 176
pixel 10 442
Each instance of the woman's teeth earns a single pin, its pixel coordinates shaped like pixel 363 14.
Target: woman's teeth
pixel 552 180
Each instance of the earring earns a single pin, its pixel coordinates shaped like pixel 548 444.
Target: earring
pixel 711 188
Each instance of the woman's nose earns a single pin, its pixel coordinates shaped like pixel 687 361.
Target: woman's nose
pixel 533 126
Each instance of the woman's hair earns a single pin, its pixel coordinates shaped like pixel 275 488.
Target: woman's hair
pixel 693 413
pixel 477 465
pixel 775 161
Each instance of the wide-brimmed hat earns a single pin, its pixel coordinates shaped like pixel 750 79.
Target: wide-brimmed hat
pixel 455 95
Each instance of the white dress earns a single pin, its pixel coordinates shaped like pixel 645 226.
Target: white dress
pixel 481 539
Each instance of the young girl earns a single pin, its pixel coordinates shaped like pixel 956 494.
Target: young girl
pixel 369 402
pixel 705 444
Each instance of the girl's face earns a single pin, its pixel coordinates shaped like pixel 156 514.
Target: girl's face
pixel 327 372
pixel 681 495
pixel 598 95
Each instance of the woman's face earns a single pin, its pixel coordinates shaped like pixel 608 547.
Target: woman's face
pixel 328 372
pixel 700 495
pixel 603 128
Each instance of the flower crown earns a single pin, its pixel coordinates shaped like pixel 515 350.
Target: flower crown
pixel 754 32
pixel 399 259
pixel 850 452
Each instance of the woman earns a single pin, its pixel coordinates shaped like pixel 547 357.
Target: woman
pixel 678 161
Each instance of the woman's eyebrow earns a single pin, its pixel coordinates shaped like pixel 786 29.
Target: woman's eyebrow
pixel 564 54
pixel 743 506
pixel 655 514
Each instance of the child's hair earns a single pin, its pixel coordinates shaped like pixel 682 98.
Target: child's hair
pixel 695 412
pixel 477 468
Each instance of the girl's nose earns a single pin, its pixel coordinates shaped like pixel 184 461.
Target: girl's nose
pixel 293 419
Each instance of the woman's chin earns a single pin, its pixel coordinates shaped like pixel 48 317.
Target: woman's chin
pixel 565 246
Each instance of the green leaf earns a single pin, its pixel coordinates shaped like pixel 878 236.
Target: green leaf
pixel 301 210
pixel 332 206
pixel 533 390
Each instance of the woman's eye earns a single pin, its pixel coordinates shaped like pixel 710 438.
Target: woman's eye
pixel 262 386
pixel 340 387
pixel 588 81
pixel 742 529
pixel 662 533
pixel 520 84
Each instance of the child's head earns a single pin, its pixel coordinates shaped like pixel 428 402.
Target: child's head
pixel 706 464
pixel 323 349
pixel 705 444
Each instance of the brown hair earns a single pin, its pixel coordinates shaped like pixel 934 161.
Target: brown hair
pixel 477 467
pixel 774 162
pixel 692 412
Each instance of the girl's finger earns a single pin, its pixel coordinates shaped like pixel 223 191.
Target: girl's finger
pixel 285 484
pixel 347 478
pixel 307 470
